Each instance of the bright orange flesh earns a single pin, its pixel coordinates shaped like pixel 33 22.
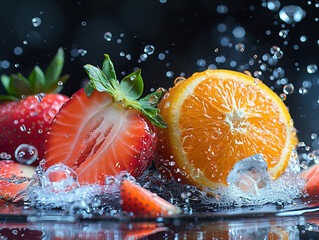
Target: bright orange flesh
pixel 218 117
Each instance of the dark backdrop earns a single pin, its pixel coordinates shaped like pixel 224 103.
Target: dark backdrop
pixel 185 32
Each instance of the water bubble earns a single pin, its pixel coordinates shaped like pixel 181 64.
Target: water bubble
pixel 282 96
pixel 83 23
pixel 279 72
pixel 303 38
pixel 268 32
pixel 221 27
pixel 169 74
pixel 153 99
pixel 303 91
pixel 292 14
pixel 312 68
pixel 17 51
pixel 108 36
pixel 36 22
pixel 240 47
pixel 263 67
pixel 222 9
pixel 314 136
pixel 212 66
pixel 276 52
pixel 119 40
pixel 289 88
pixel 233 64
pixel 26 154
pixel 239 32
pixel 59 177
pixel 283 33
pixel 149 49
pixel 273 5
pixel 60 83
pixel 201 62
pixel 143 57
pixel 306 84
pixel 161 56
pixel 5 64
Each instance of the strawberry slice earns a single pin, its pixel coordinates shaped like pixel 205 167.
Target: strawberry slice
pixel 9 170
pixel 142 202
pixel 311 175
pixel 103 130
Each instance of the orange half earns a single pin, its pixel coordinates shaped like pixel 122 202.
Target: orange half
pixel 218 117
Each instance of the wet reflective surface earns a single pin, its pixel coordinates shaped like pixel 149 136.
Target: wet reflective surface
pixel 294 221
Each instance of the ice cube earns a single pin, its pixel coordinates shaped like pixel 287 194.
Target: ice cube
pixel 59 177
pixel 250 174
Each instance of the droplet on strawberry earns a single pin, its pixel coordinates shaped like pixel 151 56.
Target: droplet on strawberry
pixel 103 129
pixel 29 108
pixel 142 202
pixel 11 178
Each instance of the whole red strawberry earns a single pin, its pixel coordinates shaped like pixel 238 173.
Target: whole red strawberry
pixel 28 110
pixel 104 129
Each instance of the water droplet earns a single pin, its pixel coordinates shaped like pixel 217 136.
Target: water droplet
pixel 83 23
pixel 276 52
pixel 36 22
pixel 273 5
pixel 201 63
pixel 16 65
pixel 240 47
pixel 282 96
pixel 161 56
pixel 149 49
pixel 163 1
pixel 178 80
pixel 5 64
pixel 303 91
pixel 169 74
pixel 289 88
pixel 153 99
pixel 221 27
pixel 239 32
pixel 143 57
pixel 59 177
pixel 222 9
pixel 82 52
pixel 60 83
pixel 303 38
pixel 283 33
pixel 314 136
pixel 26 154
pixel 108 36
pixel 312 68
pixel 292 14
pixel 212 66
pixel 25 42
pixel 17 51
pixel 23 128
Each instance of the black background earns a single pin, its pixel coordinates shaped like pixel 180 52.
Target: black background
pixel 186 30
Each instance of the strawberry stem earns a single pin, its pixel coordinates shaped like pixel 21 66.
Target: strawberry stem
pixel 127 92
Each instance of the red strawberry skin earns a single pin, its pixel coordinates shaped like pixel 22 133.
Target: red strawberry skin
pixel 97 137
pixel 311 175
pixel 144 203
pixel 10 169
pixel 27 121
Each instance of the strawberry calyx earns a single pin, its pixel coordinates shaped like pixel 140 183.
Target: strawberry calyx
pixel 18 86
pixel 127 91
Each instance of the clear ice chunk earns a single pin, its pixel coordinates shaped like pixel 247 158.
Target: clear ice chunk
pixel 250 175
pixel 59 177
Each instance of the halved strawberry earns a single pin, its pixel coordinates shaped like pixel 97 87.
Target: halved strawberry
pixel 28 110
pixel 142 202
pixel 102 131
pixel 9 184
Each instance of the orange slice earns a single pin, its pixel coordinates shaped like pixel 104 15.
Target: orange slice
pixel 216 118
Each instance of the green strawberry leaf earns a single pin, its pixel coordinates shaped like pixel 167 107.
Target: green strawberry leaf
pixel 89 89
pixel 132 85
pixel 151 100
pixel 126 92
pixel 6 83
pixel 54 69
pixel 156 120
pixel 8 98
pixel 36 80
pixel 109 71
pixel 99 80
pixel 19 86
